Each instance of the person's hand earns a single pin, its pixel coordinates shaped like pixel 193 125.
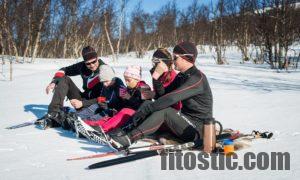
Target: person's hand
pixel 103 105
pixel 159 70
pixel 124 94
pixel 50 87
pixel 146 95
pixel 77 104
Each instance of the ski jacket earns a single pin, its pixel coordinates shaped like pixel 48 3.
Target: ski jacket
pixel 192 89
pixel 90 80
pixel 114 101
pixel 135 101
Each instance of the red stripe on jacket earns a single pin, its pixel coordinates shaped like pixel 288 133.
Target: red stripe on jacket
pixel 92 82
pixel 189 87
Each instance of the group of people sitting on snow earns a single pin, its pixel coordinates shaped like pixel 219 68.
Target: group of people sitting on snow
pixel 179 101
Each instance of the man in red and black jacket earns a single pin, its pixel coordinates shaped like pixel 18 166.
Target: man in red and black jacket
pixel 190 87
pixel 63 86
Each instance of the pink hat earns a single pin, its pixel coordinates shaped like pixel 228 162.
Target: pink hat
pixel 134 72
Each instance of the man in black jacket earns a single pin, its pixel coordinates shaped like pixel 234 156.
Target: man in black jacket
pixel 63 86
pixel 190 87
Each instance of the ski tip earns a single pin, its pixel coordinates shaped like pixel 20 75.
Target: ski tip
pixel 87 168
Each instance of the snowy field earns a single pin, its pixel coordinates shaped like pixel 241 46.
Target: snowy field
pixel 246 97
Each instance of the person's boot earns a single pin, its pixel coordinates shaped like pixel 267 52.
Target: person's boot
pixel 119 139
pixel 50 120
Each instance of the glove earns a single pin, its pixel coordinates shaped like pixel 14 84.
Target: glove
pixel 124 94
pixel 141 114
pixel 103 105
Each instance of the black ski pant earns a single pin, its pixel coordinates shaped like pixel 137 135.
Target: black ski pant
pixel 181 126
pixel 65 88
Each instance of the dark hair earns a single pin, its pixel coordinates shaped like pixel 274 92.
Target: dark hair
pixel 88 53
pixel 165 55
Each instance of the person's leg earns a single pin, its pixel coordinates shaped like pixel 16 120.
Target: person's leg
pixel 128 125
pixel 179 125
pixel 117 120
pixel 65 88
pixel 89 113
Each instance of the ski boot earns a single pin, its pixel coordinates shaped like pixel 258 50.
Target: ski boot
pixel 119 139
pixel 50 120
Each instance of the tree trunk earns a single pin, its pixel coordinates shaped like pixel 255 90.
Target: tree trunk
pixel 5 27
pixel 1 47
pixel 121 23
pixel 127 46
pixel 102 44
pixel 29 32
pixel 108 38
pixel 65 47
pixel 40 24
pixel 79 44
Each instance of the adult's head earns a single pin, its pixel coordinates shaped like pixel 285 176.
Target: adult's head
pixel 132 75
pixel 164 55
pixel 106 75
pixel 184 55
pixel 90 58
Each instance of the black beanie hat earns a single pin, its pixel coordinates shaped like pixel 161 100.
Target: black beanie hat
pixel 164 54
pixel 186 48
pixel 88 53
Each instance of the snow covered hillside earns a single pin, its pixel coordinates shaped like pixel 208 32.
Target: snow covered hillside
pixel 246 97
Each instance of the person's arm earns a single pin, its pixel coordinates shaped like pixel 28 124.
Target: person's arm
pixel 88 102
pixel 72 70
pixel 192 87
pixel 160 90
pixel 136 99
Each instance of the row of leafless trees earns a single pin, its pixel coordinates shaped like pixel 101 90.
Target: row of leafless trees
pixel 60 28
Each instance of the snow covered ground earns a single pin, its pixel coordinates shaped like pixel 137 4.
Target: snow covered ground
pixel 246 97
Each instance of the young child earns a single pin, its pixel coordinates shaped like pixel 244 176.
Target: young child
pixel 133 94
pixel 132 99
pixel 109 100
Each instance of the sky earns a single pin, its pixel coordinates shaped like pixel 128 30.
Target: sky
pixel 151 6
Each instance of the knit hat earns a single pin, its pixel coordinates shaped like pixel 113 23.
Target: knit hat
pixel 88 53
pixel 186 48
pixel 134 72
pixel 164 55
pixel 106 73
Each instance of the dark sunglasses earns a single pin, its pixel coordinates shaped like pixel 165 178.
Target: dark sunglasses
pixel 157 60
pixel 92 62
pixel 176 56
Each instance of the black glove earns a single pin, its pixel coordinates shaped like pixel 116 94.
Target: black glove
pixel 103 105
pixel 141 114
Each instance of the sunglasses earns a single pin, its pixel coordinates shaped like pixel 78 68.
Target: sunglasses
pixel 175 56
pixel 157 60
pixel 92 62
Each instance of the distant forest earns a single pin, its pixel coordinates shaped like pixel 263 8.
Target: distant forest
pixel 61 28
